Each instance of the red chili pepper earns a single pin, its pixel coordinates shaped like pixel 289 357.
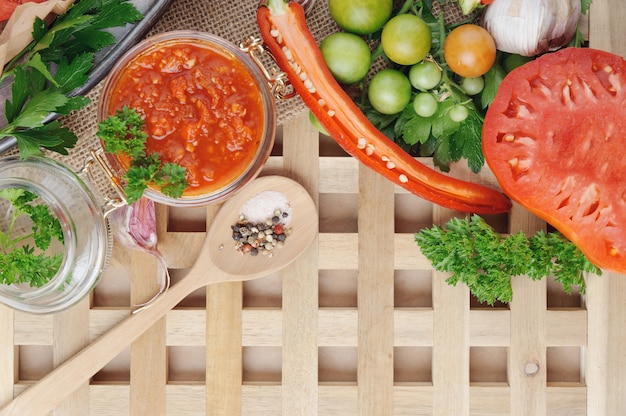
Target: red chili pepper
pixel 284 31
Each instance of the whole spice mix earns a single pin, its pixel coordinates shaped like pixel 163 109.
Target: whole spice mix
pixel 263 224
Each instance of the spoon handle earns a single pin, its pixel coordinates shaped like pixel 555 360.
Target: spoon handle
pixel 42 397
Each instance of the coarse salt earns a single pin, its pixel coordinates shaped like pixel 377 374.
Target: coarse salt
pixel 262 206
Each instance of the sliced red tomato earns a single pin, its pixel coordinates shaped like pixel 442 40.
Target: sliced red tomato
pixel 554 138
pixel 7 7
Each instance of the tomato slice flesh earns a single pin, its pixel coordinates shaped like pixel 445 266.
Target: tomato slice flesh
pixel 554 139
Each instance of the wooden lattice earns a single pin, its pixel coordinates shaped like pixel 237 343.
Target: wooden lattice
pixel 360 325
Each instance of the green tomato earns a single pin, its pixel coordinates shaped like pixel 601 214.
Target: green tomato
pixel 472 86
pixel 389 91
pixel 347 56
pixel 316 123
pixel 406 39
pixel 425 104
pixel 362 17
pixel 425 75
pixel 458 113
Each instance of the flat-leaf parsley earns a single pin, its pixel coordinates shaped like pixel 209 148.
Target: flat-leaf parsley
pixel 46 74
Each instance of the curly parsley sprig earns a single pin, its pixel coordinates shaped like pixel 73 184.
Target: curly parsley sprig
pixel 122 133
pixel 477 255
pixel 52 66
pixel 22 257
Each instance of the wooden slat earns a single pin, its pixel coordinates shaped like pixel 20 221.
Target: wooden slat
pixel 70 335
pixel 450 340
pixel 338 399
pixel 186 327
pixel 223 352
pixel 375 329
pixel 109 400
pixel 262 399
pixel 7 355
pixel 148 355
pixel 527 354
pixel 375 293
pixel 606 297
pixel 32 329
pixel 300 281
pixel 223 339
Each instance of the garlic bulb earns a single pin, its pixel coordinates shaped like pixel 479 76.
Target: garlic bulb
pixel 531 28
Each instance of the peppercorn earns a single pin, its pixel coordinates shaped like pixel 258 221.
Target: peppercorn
pixel 260 238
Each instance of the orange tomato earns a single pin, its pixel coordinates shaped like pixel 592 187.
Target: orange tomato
pixel 469 50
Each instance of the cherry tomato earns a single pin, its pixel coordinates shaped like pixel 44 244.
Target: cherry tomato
pixel 389 91
pixel 347 56
pixel 425 75
pixel 425 104
pixel 469 50
pixel 472 86
pixel 406 39
pixel 362 17
pixel 458 113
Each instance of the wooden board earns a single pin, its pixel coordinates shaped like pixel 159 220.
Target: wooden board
pixel 359 325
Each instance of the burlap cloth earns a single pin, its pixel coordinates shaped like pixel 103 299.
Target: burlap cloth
pixel 233 20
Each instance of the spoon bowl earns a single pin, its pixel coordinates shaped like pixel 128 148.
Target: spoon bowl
pixel 232 264
pixel 219 261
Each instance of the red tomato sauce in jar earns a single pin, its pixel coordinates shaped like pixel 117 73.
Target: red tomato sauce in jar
pixel 202 110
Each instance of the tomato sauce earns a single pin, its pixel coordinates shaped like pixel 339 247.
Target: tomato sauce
pixel 202 110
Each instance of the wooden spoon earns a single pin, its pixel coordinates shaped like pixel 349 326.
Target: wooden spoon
pixel 219 262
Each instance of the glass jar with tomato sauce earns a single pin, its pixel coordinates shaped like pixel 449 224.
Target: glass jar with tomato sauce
pixel 207 106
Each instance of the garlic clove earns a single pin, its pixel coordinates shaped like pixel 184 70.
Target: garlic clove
pixel 531 28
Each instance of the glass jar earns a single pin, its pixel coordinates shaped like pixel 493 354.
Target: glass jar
pixel 181 38
pixel 87 240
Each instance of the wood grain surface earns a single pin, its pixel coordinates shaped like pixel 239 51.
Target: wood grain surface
pixel 360 325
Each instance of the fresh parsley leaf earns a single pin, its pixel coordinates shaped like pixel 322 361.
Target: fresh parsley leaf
pixel 585 6
pixel 19 261
pixel 477 255
pixel 39 107
pixel 38 64
pixel 54 65
pixel 413 128
pixel 52 136
pixel 171 179
pixel 469 135
pixel 138 177
pixel 123 133
pixel 74 74
pixel 493 79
